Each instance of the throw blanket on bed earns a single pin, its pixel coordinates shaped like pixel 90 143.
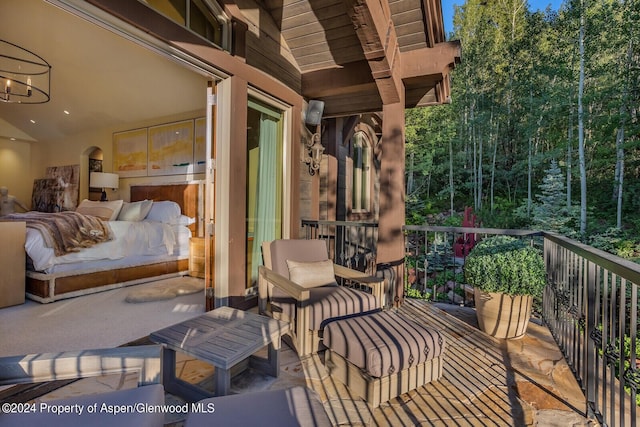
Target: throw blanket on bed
pixel 66 231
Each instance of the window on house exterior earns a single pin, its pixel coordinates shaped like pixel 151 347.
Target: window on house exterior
pixel 203 17
pixel 361 173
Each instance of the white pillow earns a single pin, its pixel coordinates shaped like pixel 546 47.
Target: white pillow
pixel 107 211
pixel 184 220
pixel 134 211
pixel 311 274
pixel 164 211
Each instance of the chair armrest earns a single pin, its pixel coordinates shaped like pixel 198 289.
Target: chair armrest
pixel 299 293
pixel 376 284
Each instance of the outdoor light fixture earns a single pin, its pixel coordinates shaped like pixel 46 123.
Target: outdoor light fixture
pixel 25 78
pixel 314 157
pixel 103 180
pixel 314 145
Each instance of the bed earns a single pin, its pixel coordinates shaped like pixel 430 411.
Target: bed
pixel 140 250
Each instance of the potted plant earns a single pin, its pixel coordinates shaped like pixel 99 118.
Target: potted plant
pixel 507 274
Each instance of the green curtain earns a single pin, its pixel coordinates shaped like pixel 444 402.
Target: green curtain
pixel 267 187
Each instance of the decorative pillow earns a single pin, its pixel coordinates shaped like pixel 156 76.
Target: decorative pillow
pixel 184 220
pixel 311 274
pixel 107 211
pixel 164 211
pixel 135 211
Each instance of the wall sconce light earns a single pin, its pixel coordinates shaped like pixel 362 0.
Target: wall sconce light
pixel 314 157
pixel 103 180
pixel 314 146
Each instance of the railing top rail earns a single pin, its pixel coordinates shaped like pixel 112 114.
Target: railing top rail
pixel 622 267
pixel 339 223
pixel 476 230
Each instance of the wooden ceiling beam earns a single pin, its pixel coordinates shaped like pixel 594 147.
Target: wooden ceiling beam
pixel 376 32
pixel 334 81
pixel 439 59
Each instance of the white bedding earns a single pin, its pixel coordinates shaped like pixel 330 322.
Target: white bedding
pixel 139 238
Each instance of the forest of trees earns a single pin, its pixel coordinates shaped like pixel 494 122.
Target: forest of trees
pixel 542 130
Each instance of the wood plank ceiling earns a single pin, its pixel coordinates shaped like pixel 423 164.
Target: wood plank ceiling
pixel 358 54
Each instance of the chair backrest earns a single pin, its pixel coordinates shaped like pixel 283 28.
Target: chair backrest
pixel 276 253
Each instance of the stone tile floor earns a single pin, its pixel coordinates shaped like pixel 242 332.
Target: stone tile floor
pixel 486 381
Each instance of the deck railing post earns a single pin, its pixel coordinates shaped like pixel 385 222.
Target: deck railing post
pixel 590 349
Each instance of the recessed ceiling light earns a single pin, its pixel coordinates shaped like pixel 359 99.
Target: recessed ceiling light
pixel 12 139
pixel 66 112
pixel 32 121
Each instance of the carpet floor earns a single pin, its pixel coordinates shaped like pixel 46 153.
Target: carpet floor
pixel 98 320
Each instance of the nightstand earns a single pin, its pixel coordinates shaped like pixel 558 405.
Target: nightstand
pixel 196 257
pixel 12 263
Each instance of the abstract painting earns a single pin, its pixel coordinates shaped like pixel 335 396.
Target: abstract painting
pixel 171 149
pixel 200 146
pixel 130 153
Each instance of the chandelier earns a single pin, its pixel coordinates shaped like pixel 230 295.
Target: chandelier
pixel 25 78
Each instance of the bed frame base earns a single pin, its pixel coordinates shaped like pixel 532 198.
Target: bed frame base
pixel 46 288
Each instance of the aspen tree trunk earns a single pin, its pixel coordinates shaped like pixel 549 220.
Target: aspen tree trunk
pixel 529 173
pixel 569 156
pixel 479 185
pixel 474 160
pixel 581 154
pixel 620 138
pixel 451 191
pixel 493 161
pixel 410 177
pixel 620 170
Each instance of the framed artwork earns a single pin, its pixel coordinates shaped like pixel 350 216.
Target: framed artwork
pixel 95 165
pixel 68 183
pixel 44 197
pixel 130 153
pixel 200 146
pixel 170 149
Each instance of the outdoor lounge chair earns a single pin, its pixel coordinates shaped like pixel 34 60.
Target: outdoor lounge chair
pixel 298 284
pixel 146 361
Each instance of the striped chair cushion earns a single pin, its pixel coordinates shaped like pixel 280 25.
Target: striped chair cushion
pixel 383 343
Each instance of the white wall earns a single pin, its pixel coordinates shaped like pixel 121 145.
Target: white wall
pixel 16 168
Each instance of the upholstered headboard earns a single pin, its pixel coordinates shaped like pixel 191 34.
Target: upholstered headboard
pixel 188 195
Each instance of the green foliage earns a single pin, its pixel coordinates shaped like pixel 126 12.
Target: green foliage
pixel 616 241
pixel 507 265
pixel 550 213
pixel 515 94
pixel 442 278
pixel 410 292
pixel 454 220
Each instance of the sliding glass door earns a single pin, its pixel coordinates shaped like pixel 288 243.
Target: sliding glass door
pixel 264 182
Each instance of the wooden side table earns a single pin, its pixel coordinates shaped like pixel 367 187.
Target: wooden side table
pixel 225 338
pixel 12 262
pixel 196 257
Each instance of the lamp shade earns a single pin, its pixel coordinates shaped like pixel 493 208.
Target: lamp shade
pixel 103 180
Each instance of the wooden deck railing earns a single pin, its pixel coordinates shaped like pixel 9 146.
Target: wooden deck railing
pixel 590 303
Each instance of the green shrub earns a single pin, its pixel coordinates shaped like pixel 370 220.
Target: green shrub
pixel 507 265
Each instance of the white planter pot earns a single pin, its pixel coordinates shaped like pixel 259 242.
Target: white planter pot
pixel 503 316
